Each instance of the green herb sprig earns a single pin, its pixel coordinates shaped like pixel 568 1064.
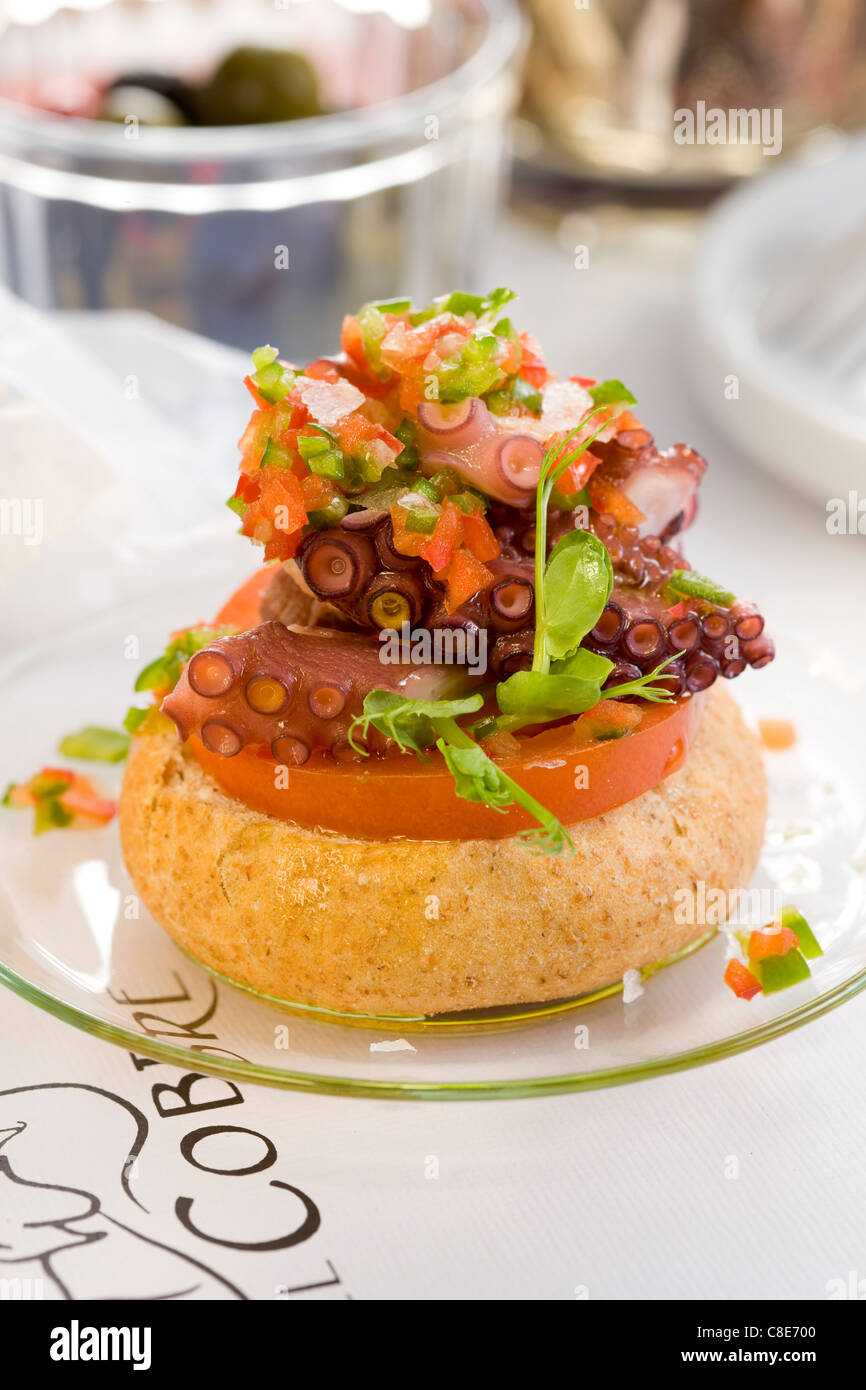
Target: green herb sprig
pixel 418 725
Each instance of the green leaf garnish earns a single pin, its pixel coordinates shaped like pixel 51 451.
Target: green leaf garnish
pixel 416 725
pixel 611 393
pixel 96 744
pixel 410 723
pixel 578 579
pixel 555 462
pixel 569 688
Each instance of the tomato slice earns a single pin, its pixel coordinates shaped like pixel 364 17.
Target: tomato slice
pixel 571 773
pixel 243 609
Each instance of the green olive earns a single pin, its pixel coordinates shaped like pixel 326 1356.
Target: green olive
pixel 254 85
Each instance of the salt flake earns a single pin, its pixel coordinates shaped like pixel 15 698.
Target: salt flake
pixel 328 401
pixel 632 988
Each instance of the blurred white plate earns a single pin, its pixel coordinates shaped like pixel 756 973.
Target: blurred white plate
pixel 793 414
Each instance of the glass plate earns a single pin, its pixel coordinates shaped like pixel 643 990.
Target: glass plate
pixel 74 941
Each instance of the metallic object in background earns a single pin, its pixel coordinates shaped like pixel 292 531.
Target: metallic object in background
pixel 606 77
pixel 265 232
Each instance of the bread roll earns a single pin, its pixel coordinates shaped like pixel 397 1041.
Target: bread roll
pixel 425 927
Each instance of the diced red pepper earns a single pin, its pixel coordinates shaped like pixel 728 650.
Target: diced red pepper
pixel 463 577
pixel 316 493
pixel 322 369
pixel 74 792
pixel 248 487
pixel 479 537
pixel 83 800
pixel 741 981
pixel 585 381
pixel 777 734
pixel 533 367
pixel 773 941
pixel 406 541
pixel 626 421
pixel 282 547
pixel 277 516
pixel 440 547
pixel 500 745
pixel 577 475
pixel 252 441
pixel 610 719
pixel 510 358
pixel 606 498
pixel 357 429
pixel 353 343
pixel 254 392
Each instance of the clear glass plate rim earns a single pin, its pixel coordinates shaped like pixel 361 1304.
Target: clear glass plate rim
pixel 517 1089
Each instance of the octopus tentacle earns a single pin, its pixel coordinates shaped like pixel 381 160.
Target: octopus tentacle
pixel 637 630
pixel 662 485
pixel 467 438
pixel 294 691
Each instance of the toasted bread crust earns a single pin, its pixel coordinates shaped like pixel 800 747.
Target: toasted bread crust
pixel 425 927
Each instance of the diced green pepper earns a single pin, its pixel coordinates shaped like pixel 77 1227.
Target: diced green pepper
pixel 427 489
pixel 445 481
pixel 155 675
pixel 328 464
pixel 237 505
pixel 392 306
pixel 472 371
pixel 780 972
pixel 423 521
pixel 43 785
pixel 166 669
pixel 690 584
pixel 569 501
pixel 273 381
pixel 373 329
pixel 459 303
pixel 95 744
pixel 331 515
pixel 465 501
pixel 611 393
pixel 264 356
pixel 515 392
pixel 405 432
pixel 275 456
pixel 809 945
pixel 50 815
pixel 311 444
pixel 134 718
